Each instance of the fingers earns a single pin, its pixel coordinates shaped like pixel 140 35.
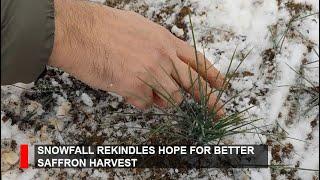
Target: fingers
pixel 190 81
pixel 167 92
pixel 205 68
pixel 157 88
pixel 139 94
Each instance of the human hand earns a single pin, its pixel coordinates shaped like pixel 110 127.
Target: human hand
pixel 123 52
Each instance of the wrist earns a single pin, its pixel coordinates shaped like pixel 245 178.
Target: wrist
pixel 75 28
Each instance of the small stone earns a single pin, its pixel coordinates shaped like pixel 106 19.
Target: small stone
pixel 63 109
pixel 4 166
pixel 35 107
pixel 114 104
pixel 58 124
pixel 10 157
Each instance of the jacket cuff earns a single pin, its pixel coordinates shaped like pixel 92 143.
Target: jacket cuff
pixel 27 37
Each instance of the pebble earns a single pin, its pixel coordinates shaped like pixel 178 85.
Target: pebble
pixel 63 109
pixel 10 157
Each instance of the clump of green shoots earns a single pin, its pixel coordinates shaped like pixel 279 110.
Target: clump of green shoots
pixel 193 122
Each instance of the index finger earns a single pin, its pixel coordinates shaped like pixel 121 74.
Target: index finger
pixel 204 67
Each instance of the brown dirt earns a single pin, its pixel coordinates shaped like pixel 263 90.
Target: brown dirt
pixel 287 149
pixel 275 151
pixel 297 8
pixel 268 55
pixel 247 73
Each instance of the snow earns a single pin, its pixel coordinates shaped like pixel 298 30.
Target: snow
pixel 9 131
pixel 286 77
pixel 177 31
pixel 230 24
pixel 26 175
pixel 242 17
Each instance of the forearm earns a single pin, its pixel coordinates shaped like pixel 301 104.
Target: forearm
pixel 73 20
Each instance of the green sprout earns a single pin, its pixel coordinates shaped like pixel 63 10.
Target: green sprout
pixel 193 121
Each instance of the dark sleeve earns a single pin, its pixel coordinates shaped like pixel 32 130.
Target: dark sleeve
pixel 27 36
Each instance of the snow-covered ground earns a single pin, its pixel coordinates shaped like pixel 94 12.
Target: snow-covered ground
pixel 74 113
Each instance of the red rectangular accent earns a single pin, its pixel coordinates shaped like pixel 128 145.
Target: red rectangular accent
pixel 24 160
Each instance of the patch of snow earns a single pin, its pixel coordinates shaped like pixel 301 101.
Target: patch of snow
pixel 177 31
pixel 65 79
pixel 292 58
